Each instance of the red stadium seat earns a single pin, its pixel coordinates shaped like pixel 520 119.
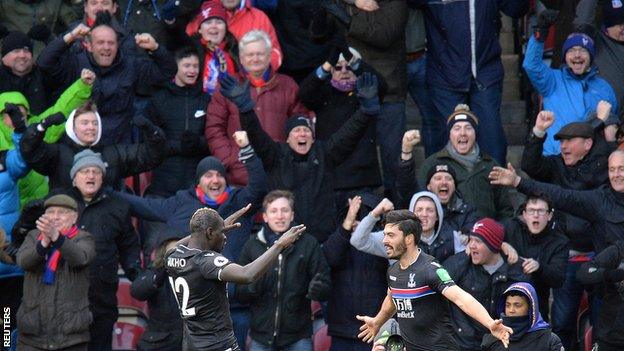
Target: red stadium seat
pixel 126 335
pixel 127 303
pixel 588 339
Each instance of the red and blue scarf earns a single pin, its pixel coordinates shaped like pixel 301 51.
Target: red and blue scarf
pixel 204 199
pixel 215 63
pixel 54 256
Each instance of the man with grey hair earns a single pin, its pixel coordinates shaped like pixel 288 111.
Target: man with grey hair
pixel 275 97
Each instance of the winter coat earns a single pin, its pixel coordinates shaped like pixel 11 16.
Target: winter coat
pixel 358 280
pixel 309 177
pixel 282 292
pixel 611 316
pixel 588 173
pixel 549 248
pixel 32 86
pixel 12 168
pixel 490 200
pixel 175 110
pixel 333 108
pixel 485 288
pixel 114 88
pixel 450 27
pixel 569 96
pixel 602 207
pixel 34 185
pixel 107 218
pixel 538 336
pixel 609 52
pixel 379 36
pixel 122 160
pixel 245 19
pixel 55 316
pixel 274 104
pixel 164 326
pixel 176 211
pixel 458 214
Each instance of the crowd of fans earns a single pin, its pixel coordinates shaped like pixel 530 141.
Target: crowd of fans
pixel 297 108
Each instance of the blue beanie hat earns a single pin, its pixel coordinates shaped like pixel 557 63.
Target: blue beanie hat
pixel 579 39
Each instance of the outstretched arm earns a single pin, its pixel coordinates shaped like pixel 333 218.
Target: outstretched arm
pixel 372 324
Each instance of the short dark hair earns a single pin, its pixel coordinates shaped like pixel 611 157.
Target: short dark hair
pixel 277 194
pixel 536 197
pixel 203 219
pixel 406 221
pixel 185 52
pixel 518 293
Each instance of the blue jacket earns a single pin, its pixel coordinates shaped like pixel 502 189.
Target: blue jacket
pixel 569 96
pixel 13 167
pixel 176 211
pixel 449 53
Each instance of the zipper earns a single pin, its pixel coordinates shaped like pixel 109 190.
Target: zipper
pixel 279 289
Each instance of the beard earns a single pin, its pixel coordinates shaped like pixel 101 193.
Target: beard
pixel 397 251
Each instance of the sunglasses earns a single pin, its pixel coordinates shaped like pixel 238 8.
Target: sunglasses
pixel 340 67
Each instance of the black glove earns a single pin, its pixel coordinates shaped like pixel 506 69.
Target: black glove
pixel 317 288
pixel 40 32
pixel 237 93
pixel 17 118
pixel 160 274
pixel 614 275
pixel 27 221
pixel 339 12
pixel 367 93
pixel 545 19
pixel 53 120
pixel 339 42
pixel 170 10
pixel 190 143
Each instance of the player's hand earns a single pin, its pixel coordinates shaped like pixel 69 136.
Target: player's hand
pixel 530 265
pixel 383 207
pixel 288 238
pixel 501 331
pixel 504 176
pixel 544 120
pixel 351 218
pixel 231 222
pixel 87 76
pixel 369 329
pixel 510 252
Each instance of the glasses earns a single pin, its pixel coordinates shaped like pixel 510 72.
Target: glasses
pixel 536 211
pixel 340 67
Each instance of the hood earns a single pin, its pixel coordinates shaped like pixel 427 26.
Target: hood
pixel 438 205
pixel 527 290
pixel 13 97
pixel 69 129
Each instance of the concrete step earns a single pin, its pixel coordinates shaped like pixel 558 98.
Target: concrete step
pixel 506 40
pixel 511 65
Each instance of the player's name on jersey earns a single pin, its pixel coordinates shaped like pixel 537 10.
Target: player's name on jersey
pixel 176 262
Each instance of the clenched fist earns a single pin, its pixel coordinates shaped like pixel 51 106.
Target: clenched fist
pixel 241 139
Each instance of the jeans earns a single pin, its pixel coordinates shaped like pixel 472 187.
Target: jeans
pixel 566 301
pixel 301 345
pixel 345 344
pixel 389 134
pixel 240 323
pixel 485 103
pixel 433 126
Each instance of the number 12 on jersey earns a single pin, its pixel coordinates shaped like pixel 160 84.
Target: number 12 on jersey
pixel 180 286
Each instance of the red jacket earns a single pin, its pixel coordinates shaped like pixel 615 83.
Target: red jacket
pixel 240 22
pixel 275 103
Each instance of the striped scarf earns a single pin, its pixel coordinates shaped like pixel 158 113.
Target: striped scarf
pixel 54 256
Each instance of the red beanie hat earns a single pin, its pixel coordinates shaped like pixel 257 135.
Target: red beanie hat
pixel 490 232
pixel 211 9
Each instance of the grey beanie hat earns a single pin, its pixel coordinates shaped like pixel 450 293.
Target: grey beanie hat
pixel 87 158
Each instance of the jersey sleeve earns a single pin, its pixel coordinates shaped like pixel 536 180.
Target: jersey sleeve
pixel 437 277
pixel 210 265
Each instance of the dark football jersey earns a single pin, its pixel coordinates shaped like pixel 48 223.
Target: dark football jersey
pixel 194 276
pixel 422 310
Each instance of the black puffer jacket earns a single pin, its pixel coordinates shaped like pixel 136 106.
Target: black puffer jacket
pixel 123 160
pixel 176 110
pixel 282 291
pixel 482 286
pixel 32 86
pixel 588 173
pixel 549 248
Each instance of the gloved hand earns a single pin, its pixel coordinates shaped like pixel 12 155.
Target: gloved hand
pixel 17 118
pixel 317 288
pixel 40 32
pixel 170 10
pixel 149 129
pixel 545 19
pixel 339 42
pixel 53 120
pixel 237 93
pixel 367 93
pixel 339 12
pixel 27 221
pixel 160 274
pixel 190 143
pixel 614 275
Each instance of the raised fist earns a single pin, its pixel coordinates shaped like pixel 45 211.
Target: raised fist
pixel 603 110
pixel 241 139
pixel 383 207
pixel 87 76
pixel 146 41
pixel 544 120
pixel 410 139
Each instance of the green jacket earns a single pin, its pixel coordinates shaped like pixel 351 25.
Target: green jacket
pixel 490 200
pixel 34 185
